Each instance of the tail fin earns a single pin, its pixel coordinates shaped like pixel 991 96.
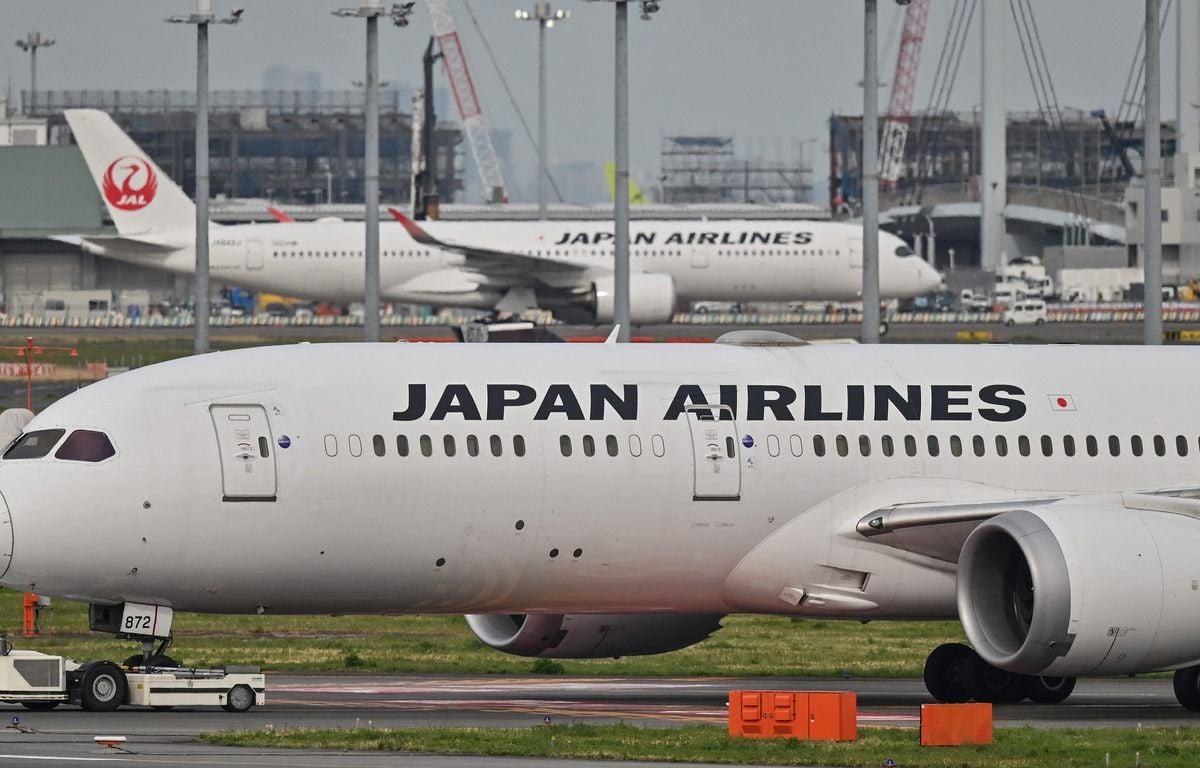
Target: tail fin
pixel 636 196
pixel 141 199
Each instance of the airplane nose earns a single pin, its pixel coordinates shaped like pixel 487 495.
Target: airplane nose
pixel 6 537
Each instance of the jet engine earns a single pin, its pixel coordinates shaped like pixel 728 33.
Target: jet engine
pixel 591 636
pixel 1086 586
pixel 651 298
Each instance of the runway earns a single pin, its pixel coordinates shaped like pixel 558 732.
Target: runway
pixel 162 738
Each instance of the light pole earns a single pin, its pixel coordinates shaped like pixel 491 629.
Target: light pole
pixel 545 17
pixel 1152 328
pixel 870 177
pixel 31 43
pixel 202 15
pixel 371 10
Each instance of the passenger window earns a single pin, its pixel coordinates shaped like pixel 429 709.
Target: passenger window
pixel 564 445
pixel 1093 448
pixel 355 443
pixel 864 445
pixel 402 445
pixel 1047 445
pixel 448 445
pixel 497 445
pixel 1023 445
pixel 843 446
pixel 1135 445
pixel 330 446
pixel 519 445
pixel 797 445
pixel 34 445
pixel 1114 445
pixel 472 445
pixel 1001 445
pixel 1069 445
pixel 379 445
pixel 818 445
pixel 955 445
pixel 610 444
pixel 426 446
pixel 1160 446
pixel 635 445
pixel 589 446
pixel 934 447
pixel 772 445
pixel 657 446
pixel 87 445
pixel 887 446
pixel 1181 445
pixel 977 444
pixel 910 445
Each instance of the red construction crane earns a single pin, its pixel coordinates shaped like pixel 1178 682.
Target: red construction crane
pixel 904 86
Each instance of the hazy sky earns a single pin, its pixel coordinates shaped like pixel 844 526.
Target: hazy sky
pixel 768 72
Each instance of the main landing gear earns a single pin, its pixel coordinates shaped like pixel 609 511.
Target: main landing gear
pixel 954 673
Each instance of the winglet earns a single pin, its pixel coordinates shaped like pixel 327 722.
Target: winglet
pixel 612 337
pixel 414 231
pixel 280 216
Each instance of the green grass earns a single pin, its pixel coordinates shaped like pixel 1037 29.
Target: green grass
pixel 1013 747
pixel 749 646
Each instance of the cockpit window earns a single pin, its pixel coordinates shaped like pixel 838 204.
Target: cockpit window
pixel 85 445
pixel 904 250
pixel 34 445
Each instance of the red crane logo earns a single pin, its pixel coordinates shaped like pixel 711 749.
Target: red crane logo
pixel 136 186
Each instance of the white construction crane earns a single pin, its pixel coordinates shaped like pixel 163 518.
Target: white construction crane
pixel 475 124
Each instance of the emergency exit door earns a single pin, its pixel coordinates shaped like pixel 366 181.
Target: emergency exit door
pixel 856 250
pixel 718 468
pixel 254 254
pixel 246 451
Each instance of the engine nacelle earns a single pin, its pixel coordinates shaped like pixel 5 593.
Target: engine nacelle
pixel 1088 586
pixel 651 298
pixel 591 636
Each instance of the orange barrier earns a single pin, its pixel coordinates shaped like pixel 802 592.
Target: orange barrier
pixel 29 625
pixel 949 725
pixel 807 715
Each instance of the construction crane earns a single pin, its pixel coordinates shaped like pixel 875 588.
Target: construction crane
pixel 904 85
pixel 479 135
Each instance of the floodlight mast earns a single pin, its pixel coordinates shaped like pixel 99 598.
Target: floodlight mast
pixel 399 13
pixel 203 13
pixel 31 43
pixel 545 17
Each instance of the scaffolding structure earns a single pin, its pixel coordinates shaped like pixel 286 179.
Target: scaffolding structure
pixel 706 169
pixel 298 147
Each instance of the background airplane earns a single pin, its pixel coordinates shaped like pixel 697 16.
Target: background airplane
pixel 603 500
pixel 565 266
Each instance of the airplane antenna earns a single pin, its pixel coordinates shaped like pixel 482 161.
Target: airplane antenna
pixel 612 337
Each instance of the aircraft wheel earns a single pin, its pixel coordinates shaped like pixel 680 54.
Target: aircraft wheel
pixel 40 706
pixel 239 699
pixel 103 687
pixel 1039 321
pixel 994 685
pixel 947 672
pixel 1187 688
pixel 1049 690
pixel 1009 323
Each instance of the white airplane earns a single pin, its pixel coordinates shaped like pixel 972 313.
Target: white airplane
pixel 603 500
pixel 565 266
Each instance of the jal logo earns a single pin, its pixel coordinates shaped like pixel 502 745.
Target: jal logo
pixel 130 183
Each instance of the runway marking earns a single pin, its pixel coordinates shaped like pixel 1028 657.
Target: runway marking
pixel 69 759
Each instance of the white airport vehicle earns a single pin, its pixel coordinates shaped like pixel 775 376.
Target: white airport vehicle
pixel 43 681
pixel 598 500
pixel 564 266
pixel 1026 312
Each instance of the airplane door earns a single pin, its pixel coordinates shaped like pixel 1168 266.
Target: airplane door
pixel 718 468
pixel 856 251
pixel 245 447
pixel 699 257
pixel 254 254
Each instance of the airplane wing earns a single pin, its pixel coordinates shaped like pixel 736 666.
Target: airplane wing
pixel 102 244
pixel 499 267
pixel 281 216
